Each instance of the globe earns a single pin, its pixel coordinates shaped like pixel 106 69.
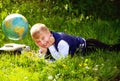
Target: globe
pixel 15 26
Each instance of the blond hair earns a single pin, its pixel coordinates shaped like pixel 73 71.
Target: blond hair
pixel 37 29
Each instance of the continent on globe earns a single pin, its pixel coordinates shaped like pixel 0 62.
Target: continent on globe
pixel 15 26
pixel 19 31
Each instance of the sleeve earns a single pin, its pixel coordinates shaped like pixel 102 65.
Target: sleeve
pixel 63 50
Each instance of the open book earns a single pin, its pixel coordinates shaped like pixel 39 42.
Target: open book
pixel 12 47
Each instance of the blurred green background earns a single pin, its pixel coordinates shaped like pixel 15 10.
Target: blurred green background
pixel 99 19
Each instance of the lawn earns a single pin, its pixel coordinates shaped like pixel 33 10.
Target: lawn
pixel 97 66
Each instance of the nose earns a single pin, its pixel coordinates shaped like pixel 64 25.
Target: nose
pixel 44 42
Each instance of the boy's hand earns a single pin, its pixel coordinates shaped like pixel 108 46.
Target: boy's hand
pixel 43 50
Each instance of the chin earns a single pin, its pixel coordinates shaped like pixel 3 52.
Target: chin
pixel 45 46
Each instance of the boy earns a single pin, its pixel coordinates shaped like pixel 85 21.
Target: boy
pixel 60 44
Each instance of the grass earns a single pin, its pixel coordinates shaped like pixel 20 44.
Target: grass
pixel 98 66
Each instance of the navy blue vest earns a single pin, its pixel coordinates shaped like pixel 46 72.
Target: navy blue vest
pixel 73 42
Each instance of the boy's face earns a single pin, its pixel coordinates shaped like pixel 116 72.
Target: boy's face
pixel 43 40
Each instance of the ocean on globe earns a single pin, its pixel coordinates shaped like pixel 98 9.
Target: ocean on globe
pixel 15 26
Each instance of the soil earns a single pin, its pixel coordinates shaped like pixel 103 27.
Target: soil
pixel 117 78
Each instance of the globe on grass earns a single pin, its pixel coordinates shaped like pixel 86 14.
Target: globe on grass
pixel 15 26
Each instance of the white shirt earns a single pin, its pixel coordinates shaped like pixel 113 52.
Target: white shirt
pixel 63 50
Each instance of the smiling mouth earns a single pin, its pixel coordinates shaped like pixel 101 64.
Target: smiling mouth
pixel 46 45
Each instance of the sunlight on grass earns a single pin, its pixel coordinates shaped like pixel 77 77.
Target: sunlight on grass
pixel 98 66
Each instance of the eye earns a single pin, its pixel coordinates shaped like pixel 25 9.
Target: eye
pixel 38 41
pixel 42 38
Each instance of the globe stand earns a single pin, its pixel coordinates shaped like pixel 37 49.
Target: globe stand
pixel 15 27
pixel 13 48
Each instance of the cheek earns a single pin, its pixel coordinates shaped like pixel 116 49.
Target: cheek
pixel 47 38
pixel 38 44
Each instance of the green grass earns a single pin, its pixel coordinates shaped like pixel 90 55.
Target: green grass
pixel 98 66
